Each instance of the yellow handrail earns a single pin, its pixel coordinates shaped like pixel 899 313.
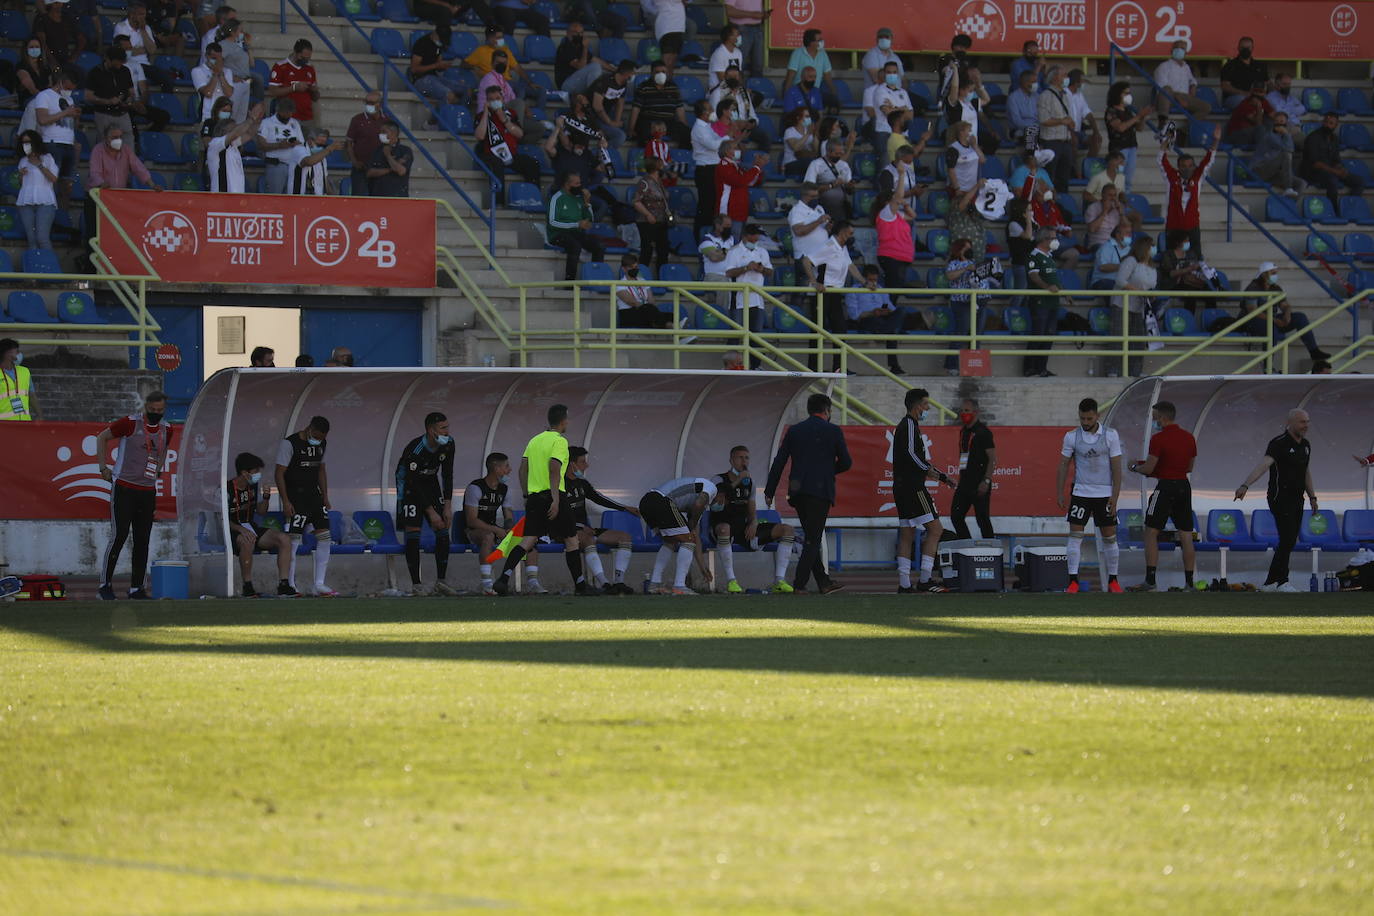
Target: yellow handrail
pixel 1267 355
pixel 135 298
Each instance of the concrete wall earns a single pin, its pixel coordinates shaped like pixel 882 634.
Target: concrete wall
pixel 95 395
pixel 74 548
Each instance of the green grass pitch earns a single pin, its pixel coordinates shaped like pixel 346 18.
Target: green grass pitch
pixel 853 754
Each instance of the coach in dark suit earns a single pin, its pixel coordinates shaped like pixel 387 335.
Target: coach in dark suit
pixel 817 451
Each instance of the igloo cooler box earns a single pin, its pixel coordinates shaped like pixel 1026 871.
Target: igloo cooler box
pixel 973 566
pixel 1042 567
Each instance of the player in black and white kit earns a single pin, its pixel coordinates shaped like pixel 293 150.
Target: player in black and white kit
pixel 486 518
pixel 243 493
pixel 424 492
pixel 304 487
pixel 673 510
pixel 734 520
pixel 911 468
pixel 1095 452
pixel 580 490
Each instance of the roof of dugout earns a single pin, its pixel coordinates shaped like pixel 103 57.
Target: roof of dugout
pixel 642 427
pixel 1234 417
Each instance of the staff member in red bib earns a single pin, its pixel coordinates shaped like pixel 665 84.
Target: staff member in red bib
pixel 1173 450
pixel 144 440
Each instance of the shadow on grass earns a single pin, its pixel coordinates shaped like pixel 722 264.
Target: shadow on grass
pixel 927 647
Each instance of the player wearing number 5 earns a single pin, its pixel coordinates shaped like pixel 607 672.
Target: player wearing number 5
pixel 1095 452
pixel 304 487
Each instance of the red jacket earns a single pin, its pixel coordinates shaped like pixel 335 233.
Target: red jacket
pixel 732 188
pixel 1182 212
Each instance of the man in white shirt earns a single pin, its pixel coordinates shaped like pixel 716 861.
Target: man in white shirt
pixel 880 100
pixel 308 166
pixel 143 44
pixel 277 136
pixel 714 248
pixel 1095 452
pixel 705 157
pixel 726 53
pixel 828 270
pixel 1175 78
pixel 748 262
pixel 213 79
pixel 834 178
pixel 57 118
pixel 809 224
pixel 1084 132
pixel 223 161
pixel 880 55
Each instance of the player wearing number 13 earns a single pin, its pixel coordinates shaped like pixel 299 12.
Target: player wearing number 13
pixel 1095 452
pixel 304 487
pixel 424 491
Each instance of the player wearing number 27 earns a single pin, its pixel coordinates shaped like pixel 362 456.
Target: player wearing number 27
pixel 1095 452
pixel 304 488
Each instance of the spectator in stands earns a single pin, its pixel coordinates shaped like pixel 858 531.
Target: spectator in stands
pixel 516 94
pixel 1056 127
pixel 749 262
pixel 812 54
pixel 388 171
pixel 1043 274
pixel 444 13
pixel 651 208
pixel 954 66
pixel 262 358
pixel 570 222
pixel 1286 321
pixel 963 159
pixel 1023 111
pixel 139 109
pixel 430 72
pixel 971 105
pixel 277 137
pixel 1184 186
pixel 1178 85
pixel 1109 255
pixel 576 125
pixel 744 120
pixel 498 136
pixel 899 125
pixel 33 73
pixel 238 57
pixel 143 43
pixel 598 15
pixel 608 102
pixel 1030 62
pixel 109 90
pixel 828 270
pixel 1123 123
pixel 223 159
pixel 1242 75
pixel 483 62
pixel 901 171
pixel 727 54
pixel 1273 159
pixel 294 78
pixel 1136 273
pixel 309 164
pixel 112 161
pixel 658 99
pixel 1282 99
pixel 733 183
pixel 880 100
pixel 799 143
pixel 214 78
pixel 363 131
pixel 706 141
pixel 670 30
pixel 1104 216
pixel 715 247
pixel 960 275
pixel 1020 241
pixel 879 56
pixel 869 311
pixel 803 94
pixel 1030 170
pixel 305 361
pixel 575 67
pixel 892 218
pixel 61 41
pixel 832 174
pixel 222 14
pixel 1181 266
pixel 509 12
pixel 1321 160
pixel 1047 214
pixel 1085 135
pixel 57 118
pixel 748 15
pixel 1249 118
pixel 341 356
pixel 37 201
pixel 1111 174
pixel 222 112
pixel 809 225
pixel 574 152
pixel 635 307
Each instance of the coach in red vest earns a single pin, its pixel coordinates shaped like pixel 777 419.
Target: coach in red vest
pixel 1184 184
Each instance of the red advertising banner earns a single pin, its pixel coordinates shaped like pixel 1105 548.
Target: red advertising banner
pixel 51 472
pixel 1282 29
pixel 382 242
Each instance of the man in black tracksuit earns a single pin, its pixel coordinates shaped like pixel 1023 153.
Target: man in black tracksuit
pixel 1287 460
pixel 977 460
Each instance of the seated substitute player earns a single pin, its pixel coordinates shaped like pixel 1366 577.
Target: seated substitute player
pixel 486 518
pixel 1095 451
pixel 915 509
pixel 662 509
pixel 580 490
pixel 734 520
pixel 546 510
pixel 304 487
pixel 1173 450
pixel 244 492
pixel 424 491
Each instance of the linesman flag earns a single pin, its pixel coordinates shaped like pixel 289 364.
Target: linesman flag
pixel 507 542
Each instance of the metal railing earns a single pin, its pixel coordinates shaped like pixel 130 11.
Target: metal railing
pixel 488 217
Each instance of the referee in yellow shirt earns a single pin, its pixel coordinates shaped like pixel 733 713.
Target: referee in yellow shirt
pixel 547 512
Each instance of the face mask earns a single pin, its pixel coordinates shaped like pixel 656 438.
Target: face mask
pixel 443 440
pixel 314 442
pixel 1049 196
pixel 316 149
pixel 806 87
pixel 921 417
pixel 632 272
pixel 1178 54
pixel 805 122
pixel 960 54
pixel 1245 53
pixel 116 143
pixel 1274 277
pixel 19 358
pixel 370 109
pixel 750 246
pixel 735 154
pixel 28 149
pixel 1156 426
pixel 499 68
pixel 505 478
pixel 1283 90
pixel 384 139
pixel 820 44
pixel 1126 99
pixel 255 478
pixel 496 104
pixel 35 53
pixel 1187 245
pixel 966 418
pixel 224 115
pixel 1054 244
pixel 892 80
pixel 154 418
pixel 660 78
pixel 579 475
pixel 884 44
pixel 1154 252
pixel 1064 82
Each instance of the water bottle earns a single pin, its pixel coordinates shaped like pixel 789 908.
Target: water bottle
pixel 1312 583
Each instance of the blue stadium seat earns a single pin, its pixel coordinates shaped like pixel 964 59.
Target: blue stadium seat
pixel 1353 101
pixel 937 240
pixel 380 530
pixel 612 240
pixel 389 43
pixel 1317 99
pixel 191 181
pixel 540 49
pixel 6 265
pixel 336 536
pixel 1263 529
pixel 1355 209
pixel 614 50
pixel 156 148
pixel 1360 168
pixel 647 52
pixel 675 273
pixel 619 520
pixel 1228 527
pixel 596 270
pixel 1070 279
pixel 1210 315
pixel 845 94
pixel 14 26
pixel 1130 528
pixel 77 307
pixel 397 11
pixel 936 205
pixel 681 242
pixel 682 161
pixel 1318 209
pixel 1209 95
pixel 1321 530
pixel 1323 245
pixel 693 55
pixel 997 96
pixel 691 88
pixel 707 318
pixel 1017 319
pixel 1278 209
pixel 1356 136
pixel 1200 134
pixel 863 200
pixel 1357 527
pixel 920 93
pixel 10 181
pixel 41 261
pixel 766 88
pixel 784 275
pixel 521 195
pixel 27 306
pixel 784 322
pixel 181 114
pixel 1358 246
pixel 361 10
pixel 1100 317
pixel 1180 323
pixel 456 119
pixel 461 44
pixel 682 201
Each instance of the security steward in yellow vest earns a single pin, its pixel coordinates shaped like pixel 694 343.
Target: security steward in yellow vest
pixel 16 384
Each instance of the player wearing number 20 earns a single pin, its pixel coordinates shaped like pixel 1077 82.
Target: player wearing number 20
pixel 424 491
pixel 1095 452
pixel 304 488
